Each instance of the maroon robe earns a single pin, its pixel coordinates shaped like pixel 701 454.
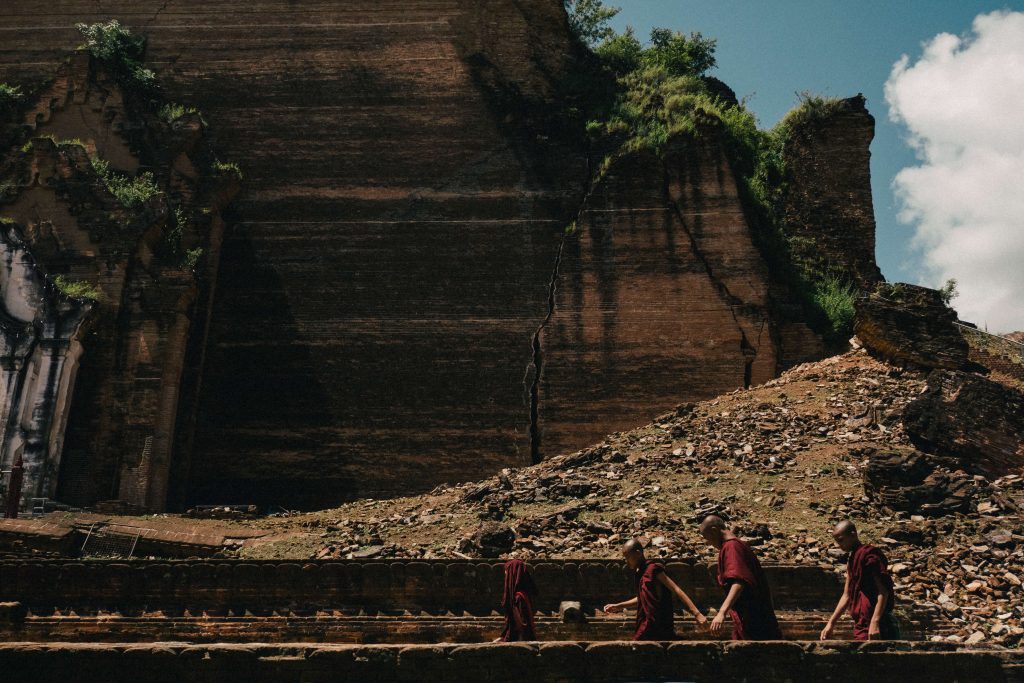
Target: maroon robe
pixel 653 604
pixel 867 563
pixel 517 603
pixel 753 617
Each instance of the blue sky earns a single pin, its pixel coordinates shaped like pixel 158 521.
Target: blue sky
pixel 768 51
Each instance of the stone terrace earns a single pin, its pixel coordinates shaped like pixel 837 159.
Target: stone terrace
pixel 563 662
pixel 382 620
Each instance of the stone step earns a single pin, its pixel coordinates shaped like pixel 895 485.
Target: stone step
pixel 566 662
pixel 373 588
pixel 382 629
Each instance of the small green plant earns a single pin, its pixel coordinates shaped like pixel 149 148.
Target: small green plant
pixel 121 53
pixel 11 98
pixel 76 289
pixel 588 20
pixel 810 108
pixel 948 291
pixel 173 238
pixel 836 296
pixel 131 192
pixel 192 257
pixel 172 111
pixel 221 168
pixel 63 142
pixel 100 166
pixel 173 250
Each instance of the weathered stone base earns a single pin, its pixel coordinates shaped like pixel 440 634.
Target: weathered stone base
pixel 376 629
pixel 562 662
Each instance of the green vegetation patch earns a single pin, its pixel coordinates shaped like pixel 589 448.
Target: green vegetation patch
pixel 76 289
pixel 121 53
pixel 11 98
pixel 835 296
pixel 661 92
pixel 223 168
pixel 131 192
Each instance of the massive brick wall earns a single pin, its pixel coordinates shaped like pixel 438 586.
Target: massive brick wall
pixel 661 294
pixel 391 254
pixel 384 318
pixel 828 200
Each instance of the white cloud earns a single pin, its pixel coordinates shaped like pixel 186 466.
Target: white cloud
pixel 962 102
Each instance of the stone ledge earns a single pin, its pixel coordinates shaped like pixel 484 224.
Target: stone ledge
pixel 369 629
pixel 571 661
pixel 131 587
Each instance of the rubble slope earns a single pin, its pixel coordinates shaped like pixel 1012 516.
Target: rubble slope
pixel 784 461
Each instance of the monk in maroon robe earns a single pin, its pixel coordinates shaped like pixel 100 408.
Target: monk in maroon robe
pixel 653 601
pixel 748 600
pixel 517 603
pixel 868 594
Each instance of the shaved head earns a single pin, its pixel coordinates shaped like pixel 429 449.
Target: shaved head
pixel 845 535
pixel 844 528
pixel 714 530
pixel 712 522
pixel 632 546
pixel 633 553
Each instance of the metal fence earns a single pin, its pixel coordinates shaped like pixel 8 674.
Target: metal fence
pixel 111 540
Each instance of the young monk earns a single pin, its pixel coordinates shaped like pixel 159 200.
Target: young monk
pixel 748 599
pixel 653 601
pixel 868 594
pixel 517 603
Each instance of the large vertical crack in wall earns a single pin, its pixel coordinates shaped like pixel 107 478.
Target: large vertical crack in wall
pixel 537 365
pixel 730 299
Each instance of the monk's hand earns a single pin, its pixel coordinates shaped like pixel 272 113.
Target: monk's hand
pixel 826 632
pixel 874 631
pixel 612 608
pixel 716 623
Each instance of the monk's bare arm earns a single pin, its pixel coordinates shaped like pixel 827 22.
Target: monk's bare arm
pixel 734 594
pixel 884 596
pixel 667 581
pixel 826 632
pixel 617 606
pixel 730 599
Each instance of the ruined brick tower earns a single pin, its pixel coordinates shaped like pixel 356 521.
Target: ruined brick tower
pixel 398 302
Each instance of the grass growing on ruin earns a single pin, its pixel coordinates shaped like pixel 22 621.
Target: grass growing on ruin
pixel 60 142
pixel 172 111
pixel 131 192
pixel 661 92
pixel 836 296
pixel 811 107
pixel 76 289
pixel 11 98
pixel 121 53
pixel 222 168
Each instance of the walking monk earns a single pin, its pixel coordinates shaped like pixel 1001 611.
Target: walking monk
pixel 517 603
pixel 868 594
pixel 748 599
pixel 653 601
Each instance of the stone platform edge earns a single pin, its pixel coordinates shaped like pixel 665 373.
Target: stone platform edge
pixel 430 585
pixel 606 662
